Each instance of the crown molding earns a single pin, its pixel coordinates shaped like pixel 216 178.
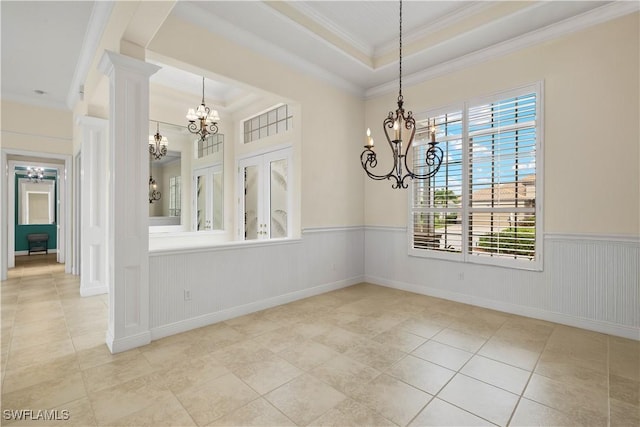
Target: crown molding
pixel 32 100
pixel 97 23
pixel 198 16
pixel 338 31
pixel 568 26
pixel 451 18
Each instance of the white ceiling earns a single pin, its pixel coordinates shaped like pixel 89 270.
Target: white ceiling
pixel 49 45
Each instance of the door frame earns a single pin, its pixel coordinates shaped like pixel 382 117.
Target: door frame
pixel 7 196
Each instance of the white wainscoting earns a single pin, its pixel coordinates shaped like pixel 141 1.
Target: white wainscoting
pixel 231 280
pixel 588 281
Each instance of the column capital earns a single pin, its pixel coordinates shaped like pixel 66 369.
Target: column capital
pixel 112 60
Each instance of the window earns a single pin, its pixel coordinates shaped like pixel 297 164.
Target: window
pixel 175 198
pixel 481 205
pixel 212 144
pixel 274 121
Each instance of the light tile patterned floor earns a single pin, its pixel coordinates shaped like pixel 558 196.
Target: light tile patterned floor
pixel 364 356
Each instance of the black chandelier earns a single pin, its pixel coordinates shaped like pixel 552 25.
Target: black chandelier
pixel 154 194
pixel 158 144
pixel 207 119
pixel 432 156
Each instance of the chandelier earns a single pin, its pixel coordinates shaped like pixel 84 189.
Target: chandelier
pixel 35 174
pixel 158 144
pixel 154 194
pixel 396 122
pixel 203 121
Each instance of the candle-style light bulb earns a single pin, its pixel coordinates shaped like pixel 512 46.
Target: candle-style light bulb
pixel 433 131
pixel 396 130
pixel 369 139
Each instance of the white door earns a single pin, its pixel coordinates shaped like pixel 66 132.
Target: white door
pixel 208 190
pixel 264 197
pixel 94 192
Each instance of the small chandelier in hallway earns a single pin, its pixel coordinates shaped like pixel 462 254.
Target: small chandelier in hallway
pixel 207 119
pixel 158 144
pixel 432 153
pixel 35 174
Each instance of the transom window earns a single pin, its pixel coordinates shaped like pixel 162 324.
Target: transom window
pixel 272 122
pixel 212 144
pixel 483 204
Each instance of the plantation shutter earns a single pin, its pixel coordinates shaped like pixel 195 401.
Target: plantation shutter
pixel 502 178
pixel 436 202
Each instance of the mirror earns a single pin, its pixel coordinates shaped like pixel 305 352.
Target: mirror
pixel 167 174
pixel 36 201
pixel 208 184
pixel 209 195
pixel 170 212
pixel 189 178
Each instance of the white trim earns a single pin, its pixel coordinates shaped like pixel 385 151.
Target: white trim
pixel 229 313
pixel 193 247
pixel 128 342
pixel 312 230
pixel 64 208
pixel 386 228
pixel 36 135
pixel 100 14
pixel 617 238
pixel 196 15
pixel 433 26
pixel 593 17
pixel 536 313
pixel 94 290
pixel 358 44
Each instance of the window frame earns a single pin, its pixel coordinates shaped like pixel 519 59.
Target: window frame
pixel 465 255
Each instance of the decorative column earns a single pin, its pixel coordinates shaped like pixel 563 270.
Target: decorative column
pixel 94 208
pixel 128 205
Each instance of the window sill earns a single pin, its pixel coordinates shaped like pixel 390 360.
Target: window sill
pixel 192 242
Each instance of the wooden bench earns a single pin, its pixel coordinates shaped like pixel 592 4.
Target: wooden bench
pixel 38 242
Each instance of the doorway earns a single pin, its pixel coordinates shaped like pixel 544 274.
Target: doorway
pixel 16 163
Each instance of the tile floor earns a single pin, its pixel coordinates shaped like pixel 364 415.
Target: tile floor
pixel 363 356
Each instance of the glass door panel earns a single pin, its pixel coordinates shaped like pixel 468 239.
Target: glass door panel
pixel 278 199
pixel 202 222
pixel 252 230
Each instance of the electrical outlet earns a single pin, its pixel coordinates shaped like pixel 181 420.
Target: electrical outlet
pixel 187 295
pixel 460 276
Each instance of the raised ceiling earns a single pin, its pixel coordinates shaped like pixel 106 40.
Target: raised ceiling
pixel 49 45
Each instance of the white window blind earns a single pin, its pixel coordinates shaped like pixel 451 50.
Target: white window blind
pixel 481 205
pixel 437 212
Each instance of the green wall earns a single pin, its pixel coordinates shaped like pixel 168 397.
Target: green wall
pixel 21 243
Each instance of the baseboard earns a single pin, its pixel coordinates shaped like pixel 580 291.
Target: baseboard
pixel 26 253
pixel 95 290
pixel 536 313
pixel 127 343
pixel 230 313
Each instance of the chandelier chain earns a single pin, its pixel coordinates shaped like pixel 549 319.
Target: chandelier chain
pixel 400 60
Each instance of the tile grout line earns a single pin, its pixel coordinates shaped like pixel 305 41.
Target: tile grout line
pixel 530 376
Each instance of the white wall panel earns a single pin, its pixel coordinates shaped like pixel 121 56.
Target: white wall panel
pixel 587 281
pixel 226 281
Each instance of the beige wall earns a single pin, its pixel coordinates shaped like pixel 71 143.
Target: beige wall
pixel 332 120
pixel 591 133
pixel 37 129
